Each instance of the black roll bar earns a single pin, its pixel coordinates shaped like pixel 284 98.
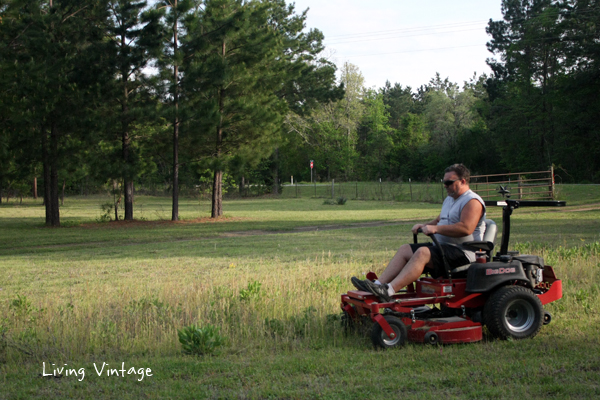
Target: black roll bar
pixel 508 207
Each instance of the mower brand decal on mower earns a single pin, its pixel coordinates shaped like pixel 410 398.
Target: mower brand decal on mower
pixel 492 271
pixel 447 289
pixel 428 289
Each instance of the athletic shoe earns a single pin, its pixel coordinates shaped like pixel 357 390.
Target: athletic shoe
pixel 380 291
pixel 359 284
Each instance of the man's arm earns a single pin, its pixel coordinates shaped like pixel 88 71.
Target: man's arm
pixel 469 217
pixel 420 226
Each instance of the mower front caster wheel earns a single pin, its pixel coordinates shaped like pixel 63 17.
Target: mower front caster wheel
pixel 381 339
pixel 431 338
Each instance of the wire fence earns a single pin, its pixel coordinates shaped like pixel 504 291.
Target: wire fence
pixel 524 185
pixel 383 191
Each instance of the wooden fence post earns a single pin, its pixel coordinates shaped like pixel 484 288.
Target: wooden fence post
pixel 552 182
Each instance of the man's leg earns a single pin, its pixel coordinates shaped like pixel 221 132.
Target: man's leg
pixel 397 264
pixel 412 269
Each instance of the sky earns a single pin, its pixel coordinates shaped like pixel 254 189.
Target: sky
pixel 405 41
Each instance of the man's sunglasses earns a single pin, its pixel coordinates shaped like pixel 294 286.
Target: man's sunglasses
pixel 448 183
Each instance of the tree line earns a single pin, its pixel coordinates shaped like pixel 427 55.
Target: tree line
pixel 539 107
pixel 183 93
pixel 115 90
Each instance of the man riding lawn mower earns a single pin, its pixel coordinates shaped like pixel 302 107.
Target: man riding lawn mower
pixel 506 292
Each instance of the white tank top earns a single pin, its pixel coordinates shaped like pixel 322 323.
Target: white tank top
pixel 451 211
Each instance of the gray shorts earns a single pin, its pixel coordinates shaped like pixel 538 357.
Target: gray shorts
pixel 455 256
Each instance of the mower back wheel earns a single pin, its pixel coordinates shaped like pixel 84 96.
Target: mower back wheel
pixel 381 339
pixel 513 312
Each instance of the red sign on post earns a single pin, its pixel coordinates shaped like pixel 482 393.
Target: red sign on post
pixel 311 164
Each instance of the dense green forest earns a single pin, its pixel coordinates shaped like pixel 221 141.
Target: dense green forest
pixel 212 95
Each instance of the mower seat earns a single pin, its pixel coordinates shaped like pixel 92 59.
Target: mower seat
pixel 491 230
pixel 489 237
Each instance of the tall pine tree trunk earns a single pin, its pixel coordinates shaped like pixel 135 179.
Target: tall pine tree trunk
pixel 175 212
pixel 54 210
pixel 47 183
pixel 127 181
pixel 126 141
pixel 217 192
pixel 217 195
pixel 275 171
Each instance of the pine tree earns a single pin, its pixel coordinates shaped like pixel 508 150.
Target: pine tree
pixel 229 78
pixel 53 54
pixel 174 13
pixel 135 36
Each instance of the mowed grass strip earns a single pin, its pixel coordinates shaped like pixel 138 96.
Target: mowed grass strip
pixel 23 224
pixel 276 300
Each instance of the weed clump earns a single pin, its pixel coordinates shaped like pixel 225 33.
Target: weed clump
pixel 200 340
pixel 340 201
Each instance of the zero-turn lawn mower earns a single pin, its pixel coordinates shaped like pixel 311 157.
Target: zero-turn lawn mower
pixel 506 292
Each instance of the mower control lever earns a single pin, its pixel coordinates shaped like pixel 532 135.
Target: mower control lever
pixel 415 235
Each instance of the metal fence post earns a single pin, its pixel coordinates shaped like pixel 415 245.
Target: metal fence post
pixel 442 181
pixel 410 186
pixel 332 188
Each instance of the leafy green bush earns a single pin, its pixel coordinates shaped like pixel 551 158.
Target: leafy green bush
pixel 200 340
pixel 339 202
pixel 252 292
pixel 274 327
pixel 21 306
pixel 302 322
pixel 107 210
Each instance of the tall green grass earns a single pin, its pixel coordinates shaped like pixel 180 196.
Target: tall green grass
pixel 262 292
pixel 111 291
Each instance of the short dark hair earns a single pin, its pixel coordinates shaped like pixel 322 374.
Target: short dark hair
pixel 461 171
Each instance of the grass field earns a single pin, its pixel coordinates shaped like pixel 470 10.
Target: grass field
pixel 269 276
